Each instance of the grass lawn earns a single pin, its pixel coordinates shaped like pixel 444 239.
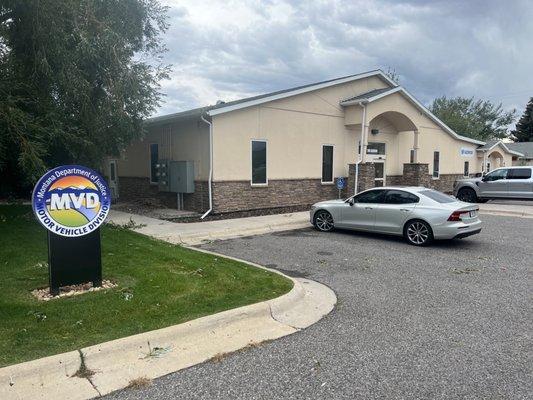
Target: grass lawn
pixel 159 284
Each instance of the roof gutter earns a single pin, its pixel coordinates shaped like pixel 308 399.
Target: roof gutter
pixel 210 179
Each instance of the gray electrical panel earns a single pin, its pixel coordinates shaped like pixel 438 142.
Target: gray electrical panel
pixel 181 175
pixel 175 176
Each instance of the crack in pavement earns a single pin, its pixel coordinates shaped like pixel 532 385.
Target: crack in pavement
pixel 85 373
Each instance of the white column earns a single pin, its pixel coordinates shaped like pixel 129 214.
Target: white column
pixel 415 146
pixel 364 141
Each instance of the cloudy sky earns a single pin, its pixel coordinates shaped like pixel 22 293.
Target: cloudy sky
pixel 234 49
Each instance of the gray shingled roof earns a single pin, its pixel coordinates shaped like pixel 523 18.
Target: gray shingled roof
pixel 526 148
pixel 488 145
pixel 197 112
pixel 369 95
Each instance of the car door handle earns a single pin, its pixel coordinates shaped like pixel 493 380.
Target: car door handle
pixel 369 208
pixel 405 209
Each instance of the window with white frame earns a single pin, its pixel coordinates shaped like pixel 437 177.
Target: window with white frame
pixel 259 162
pixel 375 148
pixel 327 163
pixel 436 164
pixel 154 157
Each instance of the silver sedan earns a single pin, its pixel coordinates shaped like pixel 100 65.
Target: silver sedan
pixel 417 213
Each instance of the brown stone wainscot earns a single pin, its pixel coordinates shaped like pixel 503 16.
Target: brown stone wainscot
pixel 232 196
pixel 139 190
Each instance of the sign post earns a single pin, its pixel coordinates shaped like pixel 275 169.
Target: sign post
pixel 341 184
pixel 71 202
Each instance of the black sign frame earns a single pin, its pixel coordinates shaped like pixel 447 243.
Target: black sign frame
pixel 74 260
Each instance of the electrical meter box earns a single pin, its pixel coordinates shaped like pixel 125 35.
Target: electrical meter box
pixel 181 176
pixel 163 183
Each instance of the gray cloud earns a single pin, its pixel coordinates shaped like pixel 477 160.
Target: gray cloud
pixel 232 49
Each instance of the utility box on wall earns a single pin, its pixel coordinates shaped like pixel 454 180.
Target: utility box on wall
pixel 181 176
pixel 163 178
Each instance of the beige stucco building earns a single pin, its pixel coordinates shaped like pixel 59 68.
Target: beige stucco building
pixel 286 149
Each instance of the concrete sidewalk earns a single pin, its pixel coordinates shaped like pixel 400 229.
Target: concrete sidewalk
pixel 202 232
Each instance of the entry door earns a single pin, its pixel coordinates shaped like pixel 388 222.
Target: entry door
pixel 113 179
pixel 379 174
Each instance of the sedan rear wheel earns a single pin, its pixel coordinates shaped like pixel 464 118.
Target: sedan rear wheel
pixel 324 221
pixel 418 233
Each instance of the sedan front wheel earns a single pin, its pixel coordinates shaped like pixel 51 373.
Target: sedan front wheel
pixel 324 221
pixel 418 233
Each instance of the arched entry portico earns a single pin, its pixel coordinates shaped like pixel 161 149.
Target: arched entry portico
pixel 495 159
pixel 383 133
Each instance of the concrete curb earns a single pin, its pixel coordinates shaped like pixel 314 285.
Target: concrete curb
pixel 507 213
pixel 115 364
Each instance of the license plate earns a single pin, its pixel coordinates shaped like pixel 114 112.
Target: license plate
pixel 473 214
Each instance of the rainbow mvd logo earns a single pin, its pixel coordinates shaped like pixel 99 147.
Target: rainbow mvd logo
pixel 71 200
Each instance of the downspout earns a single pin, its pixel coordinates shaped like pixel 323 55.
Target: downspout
pixel 361 146
pixel 210 179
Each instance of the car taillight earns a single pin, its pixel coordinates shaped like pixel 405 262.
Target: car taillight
pixel 456 215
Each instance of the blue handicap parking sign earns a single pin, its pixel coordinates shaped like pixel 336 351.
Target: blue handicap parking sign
pixel 341 183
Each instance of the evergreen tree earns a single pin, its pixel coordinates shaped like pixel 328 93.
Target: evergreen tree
pixel 524 127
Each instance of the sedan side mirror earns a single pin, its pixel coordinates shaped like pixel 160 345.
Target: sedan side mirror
pixel 351 202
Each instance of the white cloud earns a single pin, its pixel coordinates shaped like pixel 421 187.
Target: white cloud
pixel 233 49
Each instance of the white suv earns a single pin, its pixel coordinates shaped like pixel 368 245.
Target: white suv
pixel 502 183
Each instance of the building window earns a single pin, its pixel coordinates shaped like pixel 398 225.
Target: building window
pixel 436 160
pixel 154 158
pixel 259 162
pixel 412 156
pixel 375 148
pixel 467 169
pixel 327 164
pixel 112 173
pixel 487 170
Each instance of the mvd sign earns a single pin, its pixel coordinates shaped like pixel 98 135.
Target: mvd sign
pixel 63 201
pixel 466 152
pixel 71 200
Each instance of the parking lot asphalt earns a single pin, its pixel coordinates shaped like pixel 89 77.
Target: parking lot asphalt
pixel 453 320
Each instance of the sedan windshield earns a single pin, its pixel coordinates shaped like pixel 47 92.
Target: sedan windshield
pixel 438 196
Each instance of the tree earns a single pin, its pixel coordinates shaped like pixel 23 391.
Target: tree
pixel 391 73
pixel 524 127
pixel 478 119
pixel 77 79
